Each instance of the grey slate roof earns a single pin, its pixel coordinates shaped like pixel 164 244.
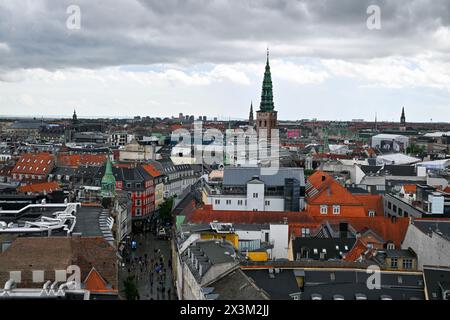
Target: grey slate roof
pixel 330 282
pixel 437 280
pixel 238 176
pixel 440 226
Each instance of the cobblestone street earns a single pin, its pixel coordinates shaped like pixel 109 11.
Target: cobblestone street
pixel 150 264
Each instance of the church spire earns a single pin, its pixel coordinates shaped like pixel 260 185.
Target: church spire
pixel 267 92
pixel 250 117
pixel 108 181
pixel 403 118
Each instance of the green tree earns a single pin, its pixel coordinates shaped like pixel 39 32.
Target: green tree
pixel 130 289
pixel 414 149
pixel 165 210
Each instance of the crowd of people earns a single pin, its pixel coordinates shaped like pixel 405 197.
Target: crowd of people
pixel 151 268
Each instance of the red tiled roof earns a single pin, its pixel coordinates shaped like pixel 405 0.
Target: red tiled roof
pixel 57 253
pixel 447 190
pixel 358 249
pixel 34 164
pixel 75 160
pixel 152 170
pixel 330 191
pixel 39 187
pixel 95 283
pixel 371 202
pixel 206 215
pixel 382 226
pixel 410 188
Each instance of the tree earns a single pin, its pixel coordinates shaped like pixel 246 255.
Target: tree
pixel 130 289
pixel 165 210
pixel 414 149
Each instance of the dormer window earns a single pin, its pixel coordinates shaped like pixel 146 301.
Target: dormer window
pixel 336 209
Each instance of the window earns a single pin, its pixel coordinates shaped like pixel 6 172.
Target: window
pixel 391 246
pixel 217 201
pixel 305 232
pixel 332 276
pixel 255 195
pixel 138 212
pixel 267 203
pixel 389 205
pixel 394 263
pixel 228 202
pixel 394 208
pixel 323 209
pixel 239 202
pixel 138 202
pixel 407 264
pixel 316 251
pixel 371 213
pixel 336 209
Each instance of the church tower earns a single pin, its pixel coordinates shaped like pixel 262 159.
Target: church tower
pixel 250 117
pixel 266 117
pixel 403 120
pixel 74 117
pixel 108 181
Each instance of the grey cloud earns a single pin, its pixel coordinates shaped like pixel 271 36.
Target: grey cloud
pixel 120 32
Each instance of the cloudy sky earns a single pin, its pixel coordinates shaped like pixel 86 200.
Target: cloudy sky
pixel 206 57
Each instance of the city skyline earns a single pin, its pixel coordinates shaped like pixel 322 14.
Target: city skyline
pixel 326 63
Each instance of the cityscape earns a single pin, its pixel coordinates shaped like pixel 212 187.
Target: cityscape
pixel 213 203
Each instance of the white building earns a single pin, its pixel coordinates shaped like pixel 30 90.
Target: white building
pixel 119 139
pixel 247 189
pixel 390 142
pixel 430 240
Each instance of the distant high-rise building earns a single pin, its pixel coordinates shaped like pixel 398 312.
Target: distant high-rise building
pixel 266 117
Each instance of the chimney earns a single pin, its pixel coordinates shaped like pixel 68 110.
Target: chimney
pixel 343 229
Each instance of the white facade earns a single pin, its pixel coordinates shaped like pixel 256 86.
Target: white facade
pixel 390 142
pixel 432 249
pixel 119 139
pixel 279 237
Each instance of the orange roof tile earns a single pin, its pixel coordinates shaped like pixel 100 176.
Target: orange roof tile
pixel 152 170
pixel 371 202
pixel 39 187
pixel 34 164
pixel 330 191
pixel 95 283
pixel 75 160
pixel 410 188
pixel 382 226
pixel 358 249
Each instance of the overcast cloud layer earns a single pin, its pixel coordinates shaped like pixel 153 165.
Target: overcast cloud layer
pixel 207 57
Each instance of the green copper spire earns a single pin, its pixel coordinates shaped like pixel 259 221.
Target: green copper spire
pixel 267 94
pixel 108 181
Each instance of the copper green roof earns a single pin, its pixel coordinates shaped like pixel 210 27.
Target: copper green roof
pixel 108 181
pixel 267 92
